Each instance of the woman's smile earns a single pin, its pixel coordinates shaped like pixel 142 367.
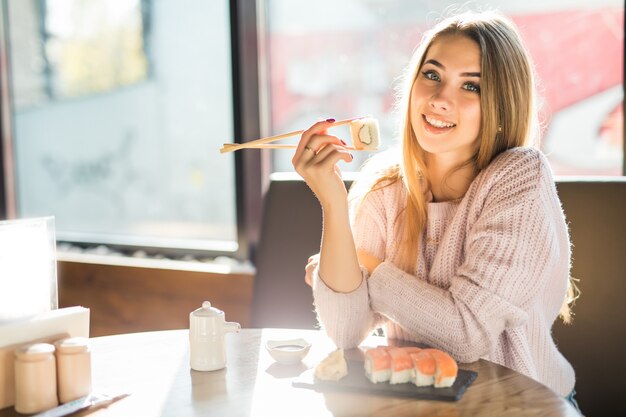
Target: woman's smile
pixel 435 125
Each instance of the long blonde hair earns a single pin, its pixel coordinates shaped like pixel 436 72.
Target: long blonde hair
pixel 509 115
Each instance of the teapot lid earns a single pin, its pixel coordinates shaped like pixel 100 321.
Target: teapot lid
pixel 207 311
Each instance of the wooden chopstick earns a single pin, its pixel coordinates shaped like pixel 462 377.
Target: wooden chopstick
pixel 227 147
pixel 231 147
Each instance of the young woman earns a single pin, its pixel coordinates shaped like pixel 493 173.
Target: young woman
pixel 461 243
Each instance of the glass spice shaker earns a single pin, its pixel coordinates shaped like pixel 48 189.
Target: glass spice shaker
pixel 73 368
pixel 35 378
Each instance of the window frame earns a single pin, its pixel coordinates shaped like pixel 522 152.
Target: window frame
pixel 251 168
pixel 7 183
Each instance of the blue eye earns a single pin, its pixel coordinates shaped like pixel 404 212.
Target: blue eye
pixel 475 88
pixel 431 75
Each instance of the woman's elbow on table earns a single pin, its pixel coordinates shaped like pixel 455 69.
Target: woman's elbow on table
pixel 481 318
pixel 469 348
pixel 468 353
pixel 476 337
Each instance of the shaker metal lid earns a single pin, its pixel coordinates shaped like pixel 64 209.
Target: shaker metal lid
pixel 34 351
pixel 72 345
pixel 207 311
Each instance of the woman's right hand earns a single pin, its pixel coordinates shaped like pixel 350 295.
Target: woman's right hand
pixel 316 160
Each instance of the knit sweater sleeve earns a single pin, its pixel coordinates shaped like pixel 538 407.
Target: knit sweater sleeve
pixel 348 318
pixel 510 252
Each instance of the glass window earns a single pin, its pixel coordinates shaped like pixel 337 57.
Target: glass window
pixel 342 59
pixel 73 48
pixel 119 108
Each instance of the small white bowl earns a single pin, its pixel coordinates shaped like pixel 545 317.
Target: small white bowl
pixel 288 352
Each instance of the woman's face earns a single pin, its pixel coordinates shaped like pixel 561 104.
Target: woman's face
pixel 445 99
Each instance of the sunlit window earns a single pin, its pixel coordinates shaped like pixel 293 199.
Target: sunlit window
pixel 119 107
pixel 71 48
pixel 343 59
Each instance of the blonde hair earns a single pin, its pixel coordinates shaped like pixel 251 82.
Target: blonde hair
pixel 509 115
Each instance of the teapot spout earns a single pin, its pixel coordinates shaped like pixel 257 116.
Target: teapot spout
pixel 231 327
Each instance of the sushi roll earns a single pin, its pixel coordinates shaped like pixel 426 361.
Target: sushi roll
pixel 377 364
pixel 425 368
pixel 447 368
pixel 365 134
pixel 401 366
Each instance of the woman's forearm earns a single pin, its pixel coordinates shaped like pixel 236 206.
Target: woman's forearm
pixel 339 265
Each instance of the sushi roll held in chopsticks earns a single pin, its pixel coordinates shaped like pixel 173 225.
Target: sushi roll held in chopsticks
pixel 365 134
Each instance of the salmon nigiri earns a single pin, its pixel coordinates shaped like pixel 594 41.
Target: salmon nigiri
pixel 447 368
pixel 401 366
pixel 377 364
pixel 425 368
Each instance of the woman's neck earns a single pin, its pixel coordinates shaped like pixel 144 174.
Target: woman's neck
pixel 447 182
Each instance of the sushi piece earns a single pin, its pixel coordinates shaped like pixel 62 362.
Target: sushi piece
pixel 447 368
pixel 425 368
pixel 365 134
pixel 401 366
pixel 377 364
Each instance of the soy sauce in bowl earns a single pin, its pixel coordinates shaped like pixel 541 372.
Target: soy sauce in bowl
pixel 288 352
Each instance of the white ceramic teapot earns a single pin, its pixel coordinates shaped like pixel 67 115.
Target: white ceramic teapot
pixel 207 328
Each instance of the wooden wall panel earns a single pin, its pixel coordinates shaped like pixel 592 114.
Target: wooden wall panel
pixel 126 299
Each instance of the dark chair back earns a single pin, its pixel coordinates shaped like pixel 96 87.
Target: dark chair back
pixel 595 343
pixel 290 233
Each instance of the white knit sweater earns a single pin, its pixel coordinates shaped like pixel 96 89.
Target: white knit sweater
pixel 491 275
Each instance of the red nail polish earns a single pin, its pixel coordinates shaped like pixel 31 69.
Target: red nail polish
pixel 351 156
pixel 331 120
pixel 344 143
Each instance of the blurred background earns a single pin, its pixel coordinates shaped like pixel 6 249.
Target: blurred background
pixel 117 108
